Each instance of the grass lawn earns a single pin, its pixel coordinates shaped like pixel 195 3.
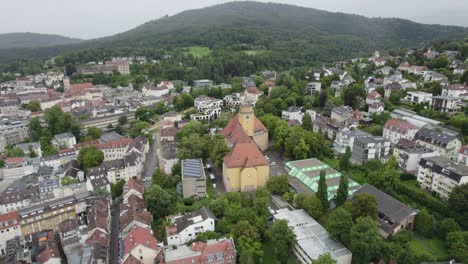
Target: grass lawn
pixel 269 254
pixel 434 247
pixel 198 51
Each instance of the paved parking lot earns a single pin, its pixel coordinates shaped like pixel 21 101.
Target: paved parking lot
pixel 276 157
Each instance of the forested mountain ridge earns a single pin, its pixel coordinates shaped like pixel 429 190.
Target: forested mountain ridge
pixel 285 35
pixel 33 40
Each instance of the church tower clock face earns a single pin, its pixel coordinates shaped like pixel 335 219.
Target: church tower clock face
pixel 247 117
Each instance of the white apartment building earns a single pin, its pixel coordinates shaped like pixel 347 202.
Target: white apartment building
pixel 444 141
pixel 441 175
pixel 9 229
pixel 292 113
pixel 417 97
pixel 66 140
pixel 314 87
pixel 345 139
pixel 408 154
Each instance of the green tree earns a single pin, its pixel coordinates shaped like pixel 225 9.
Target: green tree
pixel 458 199
pixel 387 177
pixel 278 184
pixel 123 120
pixel 247 240
pixel 339 224
pixel 457 245
pixel 160 178
pixel 159 201
pixel 59 122
pixel 464 78
pixel 313 206
pixel 117 188
pixel 307 122
pixel 324 259
pixel 342 193
pixel 67 180
pixel 364 205
pixel 446 226
pixel 34 106
pixel 440 62
pixel 366 242
pixel 299 199
pixel 34 128
pixel 14 152
pixel 193 147
pixel 138 128
pixel 345 162
pixel 90 157
pixel 322 190
pixel 193 127
pixel 424 223
pixel 94 132
pixel 219 149
pixel 283 239
pixel 145 114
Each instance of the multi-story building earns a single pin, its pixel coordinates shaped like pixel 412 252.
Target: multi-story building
pixel 395 129
pixel 208 108
pixel 202 83
pixel 67 140
pixel 14 199
pixel 373 97
pixel 312 239
pixel 345 139
pixel 441 175
pixel 121 66
pixel 234 100
pixel 140 246
pixel 156 91
pixel 9 229
pixel 9 108
pixel 14 131
pixel 417 97
pixel 447 104
pixel 342 113
pixel 369 148
pixel 292 113
pixel 327 127
pixel 455 90
pixel 169 155
pixel 393 215
pixel 184 228
pixel 221 250
pixel 47 215
pixel 442 140
pixel 193 178
pixel 408 154
pixel 314 87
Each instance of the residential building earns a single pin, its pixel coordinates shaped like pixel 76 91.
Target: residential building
pixel 38 247
pixel 396 129
pixel 304 176
pixel 312 239
pixel 133 213
pixel 140 246
pixel 168 133
pixel 369 148
pixel 30 148
pixel 9 229
pixel 314 87
pixel 13 199
pixel 441 175
pixel 391 87
pixel 13 131
pixel 342 113
pixel 376 108
pixel 156 91
pixel 183 228
pixel 408 154
pixel 202 83
pixel 447 104
pixel 417 97
pixel 169 155
pixel 393 215
pixel 292 113
pixel 345 139
pixel 413 118
pixel 193 178
pixel 221 250
pixel 373 97
pixel 327 127
pixel 64 140
pixel 208 108
pixel 252 94
pixel 121 66
pixel 455 90
pixel 463 155
pixel 442 140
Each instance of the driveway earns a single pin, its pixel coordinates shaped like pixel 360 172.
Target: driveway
pixel 151 162
pixel 277 157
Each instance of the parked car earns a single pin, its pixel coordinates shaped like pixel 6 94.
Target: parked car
pixel 212 177
pixel 214 185
pixel 272 163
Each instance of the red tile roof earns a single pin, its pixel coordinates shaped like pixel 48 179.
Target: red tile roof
pixel 374 95
pixel 99 237
pixel 50 251
pixel 253 90
pixel 245 155
pixel 236 134
pixel 457 87
pixel 463 150
pixel 81 86
pixel 15 160
pixel 132 184
pixel 401 125
pixel 139 236
pixel 11 219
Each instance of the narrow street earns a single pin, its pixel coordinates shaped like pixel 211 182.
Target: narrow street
pixel 150 163
pixel 115 231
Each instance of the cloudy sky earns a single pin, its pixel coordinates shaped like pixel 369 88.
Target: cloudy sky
pixel 97 18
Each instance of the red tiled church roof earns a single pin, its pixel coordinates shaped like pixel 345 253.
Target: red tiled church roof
pixel 245 155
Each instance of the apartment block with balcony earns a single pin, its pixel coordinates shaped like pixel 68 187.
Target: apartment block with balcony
pixel 369 148
pixel 441 175
pixel 408 154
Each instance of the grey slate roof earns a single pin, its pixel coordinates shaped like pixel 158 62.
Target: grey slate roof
pixel 388 207
pixel 187 219
pixel 446 167
pixel 436 135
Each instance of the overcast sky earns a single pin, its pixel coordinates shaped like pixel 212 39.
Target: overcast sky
pixel 97 18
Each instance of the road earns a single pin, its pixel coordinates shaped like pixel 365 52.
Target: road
pixel 115 231
pixel 150 163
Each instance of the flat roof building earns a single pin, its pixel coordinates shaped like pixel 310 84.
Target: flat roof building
pixel 193 178
pixel 312 239
pixel 304 176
